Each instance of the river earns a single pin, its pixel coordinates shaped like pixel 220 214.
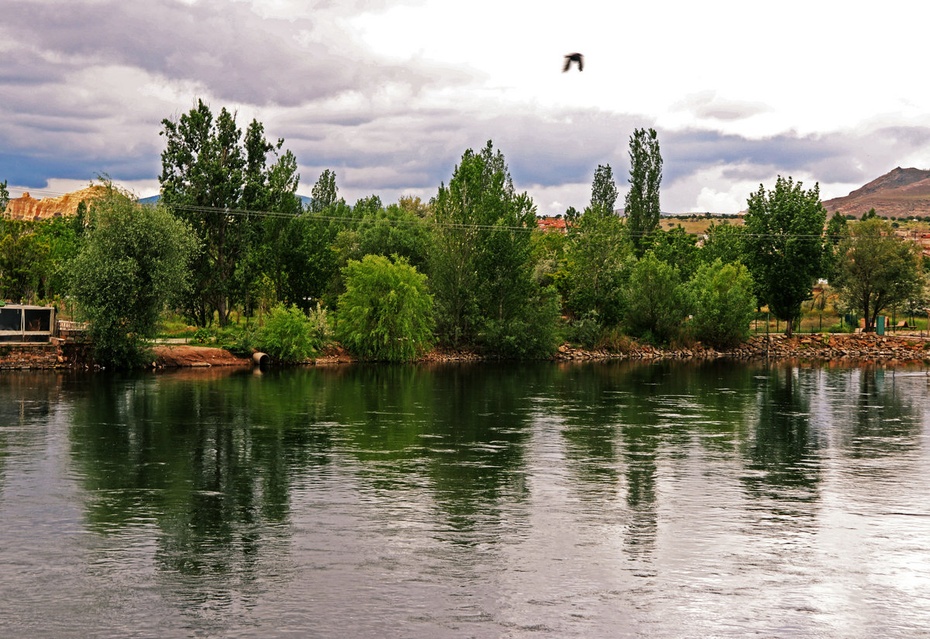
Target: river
pixel 547 500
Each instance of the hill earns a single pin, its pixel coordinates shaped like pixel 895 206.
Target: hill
pixel 900 193
pixel 29 208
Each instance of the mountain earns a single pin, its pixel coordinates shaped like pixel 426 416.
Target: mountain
pixel 899 193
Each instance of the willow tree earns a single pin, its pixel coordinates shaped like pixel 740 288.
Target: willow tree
pixel 133 261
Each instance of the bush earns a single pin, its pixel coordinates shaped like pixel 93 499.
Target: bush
pixel 288 335
pixel 386 312
pixel 654 306
pixel 723 304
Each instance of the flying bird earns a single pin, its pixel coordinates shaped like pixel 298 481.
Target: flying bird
pixel 573 57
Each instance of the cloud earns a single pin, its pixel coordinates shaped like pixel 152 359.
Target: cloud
pixel 389 95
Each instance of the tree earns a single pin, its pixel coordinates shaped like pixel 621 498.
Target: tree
pixel 642 200
pixel 21 255
pixel 603 190
pixel 596 267
pixel 676 247
pixel 722 303
pixel 723 241
pixel 134 259
pixel 876 270
pixel 216 182
pixel 4 197
pixel 784 247
pixel 386 312
pixel 481 268
pixel 654 302
pixel 325 193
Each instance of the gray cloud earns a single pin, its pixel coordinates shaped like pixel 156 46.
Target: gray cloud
pixel 86 84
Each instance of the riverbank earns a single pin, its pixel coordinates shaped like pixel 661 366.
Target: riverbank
pixel 853 348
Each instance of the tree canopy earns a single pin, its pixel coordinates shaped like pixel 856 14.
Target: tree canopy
pixel 642 200
pixel 216 180
pixel 133 261
pixel 876 270
pixel 784 245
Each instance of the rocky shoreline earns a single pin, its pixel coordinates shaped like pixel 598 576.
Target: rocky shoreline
pixel 829 347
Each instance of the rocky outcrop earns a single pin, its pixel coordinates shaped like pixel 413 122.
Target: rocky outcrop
pixel 29 208
pixel 899 193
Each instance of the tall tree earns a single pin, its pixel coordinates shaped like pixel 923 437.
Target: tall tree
pixel 784 246
pixel 603 190
pixel 215 181
pixel 4 197
pixel 876 270
pixel 642 200
pixel 481 262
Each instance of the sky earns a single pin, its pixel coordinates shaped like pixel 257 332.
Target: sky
pixel 390 93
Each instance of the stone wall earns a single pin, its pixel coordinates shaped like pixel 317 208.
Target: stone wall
pixel 57 354
pixel 866 347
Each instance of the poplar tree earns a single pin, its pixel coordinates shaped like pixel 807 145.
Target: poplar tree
pixel 642 200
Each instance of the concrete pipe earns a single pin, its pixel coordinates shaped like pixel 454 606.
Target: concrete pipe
pixel 261 360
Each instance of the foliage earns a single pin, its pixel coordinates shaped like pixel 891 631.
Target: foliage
pixel 133 261
pixel 4 197
pixel 724 241
pixel 783 246
pixel 215 179
pixel 288 335
pixel 386 312
pixel 598 258
pixel 876 270
pixel 722 303
pixel 603 191
pixel 654 302
pixel 481 258
pixel 676 247
pixel 642 200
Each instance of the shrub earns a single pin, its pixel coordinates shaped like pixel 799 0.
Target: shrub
pixel 386 312
pixel 654 306
pixel 723 304
pixel 288 335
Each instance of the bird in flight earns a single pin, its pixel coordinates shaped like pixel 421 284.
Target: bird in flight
pixel 573 57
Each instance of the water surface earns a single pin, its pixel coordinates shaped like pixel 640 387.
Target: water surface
pixel 602 500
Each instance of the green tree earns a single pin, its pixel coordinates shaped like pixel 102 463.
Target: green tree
pixel 4 197
pixel 655 305
pixel 386 312
pixel 481 267
pixel 722 303
pixel 784 246
pixel 837 229
pixel 215 180
pixel 134 259
pixel 603 190
pixel 642 200
pixel 324 193
pixel 677 247
pixel 723 241
pixel 21 254
pixel 876 270
pixel 597 263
